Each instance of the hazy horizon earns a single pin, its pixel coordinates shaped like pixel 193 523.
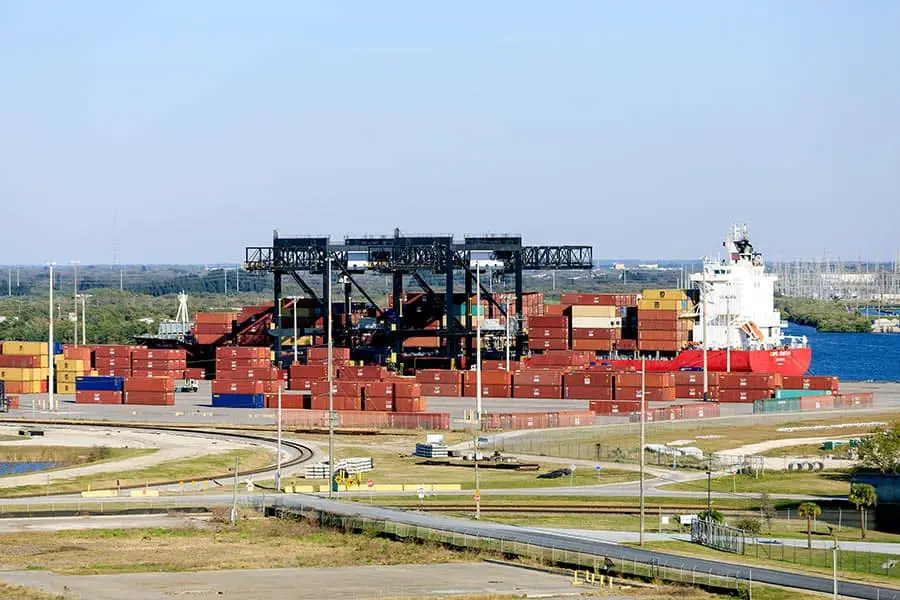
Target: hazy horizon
pixel 180 133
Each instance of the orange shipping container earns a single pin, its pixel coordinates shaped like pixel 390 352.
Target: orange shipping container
pixel 150 384
pixel 489 378
pixel 532 377
pixel 588 392
pixel 537 391
pixel 651 379
pixel 441 390
pixel 592 345
pixel 150 398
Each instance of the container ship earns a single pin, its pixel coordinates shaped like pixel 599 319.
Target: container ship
pixel 734 317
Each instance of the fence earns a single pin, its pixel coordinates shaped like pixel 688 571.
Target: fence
pixel 718 536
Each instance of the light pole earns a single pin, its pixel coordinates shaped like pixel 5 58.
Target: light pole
pixel 330 389
pixel 75 278
pixel 50 397
pixel 508 317
pixel 834 588
pixel 295 328
pixel 278 459
pixel 705 338
pixel 478 386
pixel 641 449
pixel 237 464
pixel 83 317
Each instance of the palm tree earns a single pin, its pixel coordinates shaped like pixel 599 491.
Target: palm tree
pixel 809 511
pixel 862 495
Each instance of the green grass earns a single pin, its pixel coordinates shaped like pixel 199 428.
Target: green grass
pixel 179 470
pixel 853 565
pixel 825 483
pixel 68 456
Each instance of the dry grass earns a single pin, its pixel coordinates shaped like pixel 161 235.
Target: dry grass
pixel 17 592
pixel 252 543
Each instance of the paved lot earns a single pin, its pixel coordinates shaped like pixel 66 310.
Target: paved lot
pixel 22 525
pixel 416 581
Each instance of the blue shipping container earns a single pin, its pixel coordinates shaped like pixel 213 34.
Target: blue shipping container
pixel 99 384
pixel 800 393
pixel 239 400
pixel 57 348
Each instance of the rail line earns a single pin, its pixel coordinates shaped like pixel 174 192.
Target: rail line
pixel 304 453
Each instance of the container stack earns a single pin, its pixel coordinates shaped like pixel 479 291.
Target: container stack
pixel 99 390
pixel 548 333
pixel 538 383
pixel 113 360
pixel 75 361
pixel 378 396
pixel 24 367
pixel 211 327
pixel 407 395
pixel 153 362
pixel 689 385
pixel 664 320
pixel 442 383
pixel 244 376
pixel 747 387
pixel 594 328
pixel 494 384
pixel 658 386
pixel 346 395
pixel 811 383
pixel 151 391
pixel 593 385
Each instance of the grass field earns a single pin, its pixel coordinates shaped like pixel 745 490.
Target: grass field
pixel 807 451
pixel 17 592
pixel 68 456
pixel 178 470
pixel 826 483
pixel 611 442
pixel 853 565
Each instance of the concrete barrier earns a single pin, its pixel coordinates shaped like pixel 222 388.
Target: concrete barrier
pixel 100 494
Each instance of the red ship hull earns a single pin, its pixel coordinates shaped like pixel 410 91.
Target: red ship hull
pixel 786 361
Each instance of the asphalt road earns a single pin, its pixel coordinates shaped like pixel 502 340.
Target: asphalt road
pixel 615 552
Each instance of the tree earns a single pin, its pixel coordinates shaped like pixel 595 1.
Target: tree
pixel 809 511
pixel 767 508
pixel 881 450
pixel 749 525
pixel 711 515
pixel 862 495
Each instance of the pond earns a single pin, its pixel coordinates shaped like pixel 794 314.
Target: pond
pixel 25 466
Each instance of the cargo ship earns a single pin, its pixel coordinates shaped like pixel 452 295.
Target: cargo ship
pixel 736 319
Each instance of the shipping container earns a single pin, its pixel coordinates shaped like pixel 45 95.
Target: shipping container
pixel 100 384
pixel 98 397
pixel 369 373
pixel 488 390
pixel 594 312
pixel 408 389
pixel 530 377
pixel 442 390
pixel 808 382
pixel 607 407
pixel 744 395
pixel 340 388
pixel 595 334
pixel 441 375
pixel 149 384
pixel 589 378
pixel 816 402
pixel 855 400
pixel 750 381
pixel 298 371
pixel 592 345
pixel 548 344
pixel 651 394
pixel 588 392
pixel 243 352
pixel 158 354
pixel 378 403
pixel 220 386
pixel 238 401
pixel 650 379
pixel 157 364
pixel 537 391
pixel 596 323
pixel 695 377
pixel 24 348
pixel 489 378
pixel 150 398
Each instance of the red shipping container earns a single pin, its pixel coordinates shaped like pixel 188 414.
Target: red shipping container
pixel 77 353
pixel 148 373
pixel 13 400
pixel 626 345
pixel 321 403
pixel 20 362
pixel 122 372
pixel 821 383
pixel 378 403
pixel 409 405
pixel 599 299
pixel 111 351
pixel 317 353
pixel 666 394
pixel 157 365
pixel 580 333
pixel 588 392
pixel 655 335
pixel 150 384
pixel 158 354
pixel 442 390
pixel 369 373
pixel 548 344
pixel 817 402
pixel 555 310
pixel 537 391
pixel 589 378
pixel 289 401
pixel 407 389
pixel 527 377
pixel 694 391
pixel 554 333
pixel 499 365
pixel 489 378
pixel 700 410
pixel 441 375
pixel 215 317
pixel 303 384
pixel 750 381
pixel 91 397
pixel 195 373
pixel 744 395
pixel 379 389
pixel 298 371
pixel 346 388
pixel 244 352
pixel 233 364
pixel 695 377
pixel 592 345
pixel 214 330
pixel 258 374
pixel 857 400
pixel 150 398
pixel 651 379
pixel 236 386
pixel 488 390
pixel 548 321
pixel 604 407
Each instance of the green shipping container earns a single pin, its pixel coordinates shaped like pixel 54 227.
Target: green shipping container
pixel 776 405
pixel 783 394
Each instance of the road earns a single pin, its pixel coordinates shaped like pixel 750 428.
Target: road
pixel 616 552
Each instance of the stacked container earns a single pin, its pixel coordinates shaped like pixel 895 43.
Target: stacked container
pixel 665 320
pixel 689 385
pixel 548 333
pixel 244 375
pixel 113 360
pixel 443 383
pixel 73 362
pixel 24 367
pixel 593 384
pixel 658 386
pixel 494 384
pixel 99 390
pixel 211 327
pixel 594 327
pixel 747 387
pixel 537 383
pixel 154 391
pixel 153 362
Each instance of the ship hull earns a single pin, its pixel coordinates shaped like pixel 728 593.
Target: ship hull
pixel 786 361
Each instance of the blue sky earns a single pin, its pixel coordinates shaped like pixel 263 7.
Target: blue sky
pixel 184 131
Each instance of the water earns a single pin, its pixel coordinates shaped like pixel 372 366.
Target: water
pixel 852 356
pixel 27 466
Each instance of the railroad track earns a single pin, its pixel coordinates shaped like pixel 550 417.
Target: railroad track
pixel 304 453
pixel 559 509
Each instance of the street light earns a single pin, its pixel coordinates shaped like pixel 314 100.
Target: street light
pixel 83 317
pixel 50 397
pixel 508 316
pixel 75 264
pixel 641 449
pixel 478 385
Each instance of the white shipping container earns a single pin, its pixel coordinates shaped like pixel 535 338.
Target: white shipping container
pixel 596 322
pixel 595 311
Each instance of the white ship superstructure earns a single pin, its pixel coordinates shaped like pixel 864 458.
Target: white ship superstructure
pixel 737 299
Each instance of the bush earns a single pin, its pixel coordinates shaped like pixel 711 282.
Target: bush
pixel 711 515
pixel 749 525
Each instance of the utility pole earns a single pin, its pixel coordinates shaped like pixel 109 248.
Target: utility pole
pixel 705 338
pixel 278 460
pixel 478 385
pixel 508 317
pixel 834 590
pixel 237 464
pixel 121 279
pixel 225 274
pixel 708 489
pixel 641 449
pixel 75 264
pixel 50 363
pixel 83 319
pixel 9 282
pixel 330 388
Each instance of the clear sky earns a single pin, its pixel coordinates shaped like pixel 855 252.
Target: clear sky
pixel 185 131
